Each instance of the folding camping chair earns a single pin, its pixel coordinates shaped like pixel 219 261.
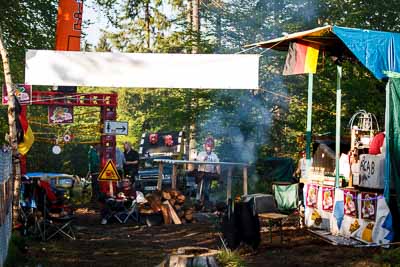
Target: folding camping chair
pixel 127 211
pixel 57 218
pixel 28 208
pixel 287 199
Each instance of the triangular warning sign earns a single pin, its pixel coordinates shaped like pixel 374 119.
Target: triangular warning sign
pixel 109 172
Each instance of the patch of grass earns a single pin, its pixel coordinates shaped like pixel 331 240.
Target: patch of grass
pixel 389 257
pixel 228 258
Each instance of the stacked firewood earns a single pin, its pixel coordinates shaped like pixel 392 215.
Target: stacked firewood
pixel 171 204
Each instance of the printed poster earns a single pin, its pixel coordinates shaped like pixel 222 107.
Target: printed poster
pixel 312 196
pixel 368 205
pixel 328 196
pixel 60 114
pixel 23 93
pixel 350 202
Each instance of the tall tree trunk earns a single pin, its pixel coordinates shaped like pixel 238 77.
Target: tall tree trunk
pixel 12 128
pixel 218 26
pixel 195 20
pixel 189 14
pixel 147 21
pixel 196 25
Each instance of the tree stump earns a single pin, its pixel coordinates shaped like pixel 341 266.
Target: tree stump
pixel 191 257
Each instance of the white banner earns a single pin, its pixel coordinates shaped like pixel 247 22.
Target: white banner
pixel 197 71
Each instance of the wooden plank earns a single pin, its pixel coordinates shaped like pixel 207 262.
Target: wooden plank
pixel 174 174
pixel 160 175
pixel 245 178
pixel 229 185
pixel 172 213
pixel 272 216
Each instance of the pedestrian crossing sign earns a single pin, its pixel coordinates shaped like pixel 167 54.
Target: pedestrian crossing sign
pixel 109 172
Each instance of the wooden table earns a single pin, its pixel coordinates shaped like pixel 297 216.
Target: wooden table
pixel 230 166
pixel 272 217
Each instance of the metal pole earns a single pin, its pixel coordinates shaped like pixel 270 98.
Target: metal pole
pixel 338 114
pixel 386 190
pixel 308 129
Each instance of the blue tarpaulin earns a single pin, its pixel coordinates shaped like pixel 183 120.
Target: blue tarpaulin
pixel 379 51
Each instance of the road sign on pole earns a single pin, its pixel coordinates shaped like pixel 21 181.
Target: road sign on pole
pixel 109 172
pixel 116 127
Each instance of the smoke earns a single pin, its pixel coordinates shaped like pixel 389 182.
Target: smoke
pixel 239 122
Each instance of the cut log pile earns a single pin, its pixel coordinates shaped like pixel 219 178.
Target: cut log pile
pixel 172 204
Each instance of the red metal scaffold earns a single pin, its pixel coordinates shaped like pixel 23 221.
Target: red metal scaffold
pixel 108 111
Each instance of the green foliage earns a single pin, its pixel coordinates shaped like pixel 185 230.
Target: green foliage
pixel 389 257
pixel 228 258
pixel 25 25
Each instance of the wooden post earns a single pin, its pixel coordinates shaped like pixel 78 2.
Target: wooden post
pixel 229 185
pixel 160 175
pixel 174 174
pixel 111 188
pixel 245 180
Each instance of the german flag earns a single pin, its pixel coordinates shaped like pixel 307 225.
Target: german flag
pixel 24 132
pixel 301 58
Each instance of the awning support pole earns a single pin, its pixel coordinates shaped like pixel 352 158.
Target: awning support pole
pixel 338 115
pixel 308 129
pixel 386 191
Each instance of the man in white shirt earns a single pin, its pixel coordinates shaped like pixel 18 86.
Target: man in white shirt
pixel 208 172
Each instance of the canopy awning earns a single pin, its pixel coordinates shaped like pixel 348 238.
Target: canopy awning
pixel 322 36
pixel 378 51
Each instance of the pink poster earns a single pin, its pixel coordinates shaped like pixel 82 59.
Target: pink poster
pixel 23 92
pixel 350 202
pixel 368 205
pixel 312 196
pixel 328 198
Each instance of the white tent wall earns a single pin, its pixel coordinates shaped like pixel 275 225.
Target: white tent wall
pixel 104 69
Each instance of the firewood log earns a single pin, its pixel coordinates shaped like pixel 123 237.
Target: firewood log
pixel 172 212
pixel 172 201
pixel 145 210
pixel 180 199
pixel 166 214
pixel 173 193
pixel 177 207
pixel 154 202
pixel 180 214
pixel 189 217
pixel 166 195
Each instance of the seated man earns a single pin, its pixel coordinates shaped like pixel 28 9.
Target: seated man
pixel 125 194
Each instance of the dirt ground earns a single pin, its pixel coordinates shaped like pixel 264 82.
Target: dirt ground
pixel 131 245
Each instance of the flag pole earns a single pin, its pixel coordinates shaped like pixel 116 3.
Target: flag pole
pixel 308 129
pixel 338 115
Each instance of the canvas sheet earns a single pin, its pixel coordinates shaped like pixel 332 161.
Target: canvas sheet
pixel 106 69
pixel 361 215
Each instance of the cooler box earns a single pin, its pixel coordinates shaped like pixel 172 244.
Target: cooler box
pixel 262 203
